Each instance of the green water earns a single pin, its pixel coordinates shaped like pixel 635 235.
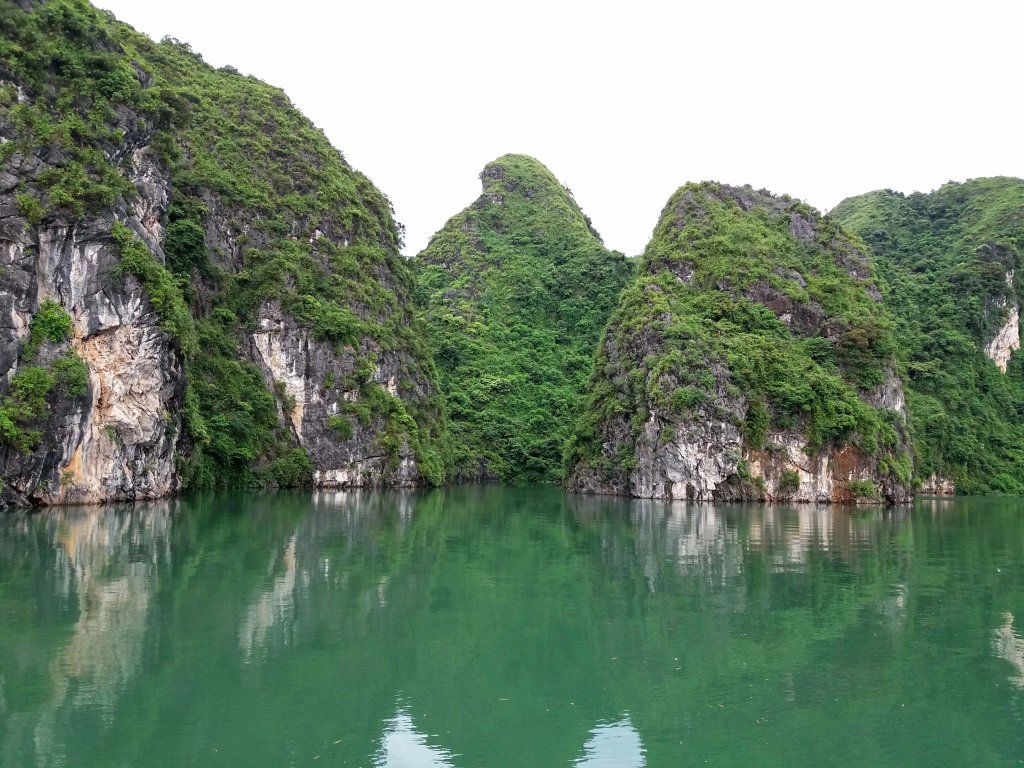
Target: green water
pixel 511 627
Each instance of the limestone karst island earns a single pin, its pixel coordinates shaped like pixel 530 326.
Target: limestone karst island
pixel 274 492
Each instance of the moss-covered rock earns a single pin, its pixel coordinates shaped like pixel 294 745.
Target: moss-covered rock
pixel 751 358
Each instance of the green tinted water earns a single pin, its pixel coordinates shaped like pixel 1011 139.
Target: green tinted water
pixel 511 627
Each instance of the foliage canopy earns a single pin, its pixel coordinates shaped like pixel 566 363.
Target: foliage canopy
pixel 950 262
pixel 516 289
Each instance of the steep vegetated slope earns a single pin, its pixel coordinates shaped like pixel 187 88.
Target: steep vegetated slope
pixel 951 266
pixel 196 287
pixel 516 288
pixel 751 358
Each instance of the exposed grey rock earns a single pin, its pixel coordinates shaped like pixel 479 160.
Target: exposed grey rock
pixel 936 485
pixel 118 441
pixel 706 460
pixel 1006 339
pixel 801 228
pixel 291 358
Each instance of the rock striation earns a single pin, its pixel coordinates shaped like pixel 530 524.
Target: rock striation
pixel 750 359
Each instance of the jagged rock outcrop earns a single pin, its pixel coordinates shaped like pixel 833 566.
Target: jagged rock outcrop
pixel 516 289
pixel 951 261
pixel 197 289
pixel 750 359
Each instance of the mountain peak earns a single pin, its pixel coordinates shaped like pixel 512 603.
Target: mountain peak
pixel 516 288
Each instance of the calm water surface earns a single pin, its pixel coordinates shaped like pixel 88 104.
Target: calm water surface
pixel 511 627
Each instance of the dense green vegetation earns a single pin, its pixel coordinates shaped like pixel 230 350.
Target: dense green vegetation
pixel 65 75
pixel 694 335
pixel 517 288
pixel 264 209
pixel 944 258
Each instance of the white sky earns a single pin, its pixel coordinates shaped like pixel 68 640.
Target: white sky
pixel 624 102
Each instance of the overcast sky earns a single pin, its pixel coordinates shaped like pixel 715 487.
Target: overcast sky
pixel 625 102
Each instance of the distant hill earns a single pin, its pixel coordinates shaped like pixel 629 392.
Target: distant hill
pixel 516 289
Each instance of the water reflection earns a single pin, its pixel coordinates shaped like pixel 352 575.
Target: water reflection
pixel 320 564
pixel 695 536
pixel 101 566
pixel 403 747
pixel 716 542
pixel 515 627
pixel 110 561
pixel 610 745
pixel 271 608
pixel 613 745
pixel 1010 646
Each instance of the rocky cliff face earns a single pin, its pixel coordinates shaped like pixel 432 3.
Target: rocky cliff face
pixel 90 410
pixel 951 261
pixel 196 288
pixel 750 359
pixel 292 359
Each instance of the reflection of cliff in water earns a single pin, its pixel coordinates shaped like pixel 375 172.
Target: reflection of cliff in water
pixel 340 553
pixel 406 584
pixel 718 541
pixel 1009 646
pixel 273 608
pixel 454 626
pixel 100 565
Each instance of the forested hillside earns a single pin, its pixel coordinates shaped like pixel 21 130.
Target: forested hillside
pixel 516 288
pixel 950 262
pixel 198 290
